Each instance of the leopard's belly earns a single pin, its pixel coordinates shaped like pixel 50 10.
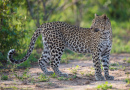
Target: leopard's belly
pixel 79 47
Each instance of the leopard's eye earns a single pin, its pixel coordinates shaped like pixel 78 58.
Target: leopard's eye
pixel 96 29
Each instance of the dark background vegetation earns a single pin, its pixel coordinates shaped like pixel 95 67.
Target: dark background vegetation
pixel 20 18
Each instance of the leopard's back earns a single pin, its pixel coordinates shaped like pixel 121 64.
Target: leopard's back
pixel 73 37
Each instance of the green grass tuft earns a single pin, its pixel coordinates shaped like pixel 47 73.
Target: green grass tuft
pixel 104 86
pixel 127 80
pixel 43 78
pixel 114 64
pixel 61 78
pixel 128 61
pixel 75 70
pixel 23 76
pixel 4 77
pixel 53 75
pixel 10 88
pixel 112 68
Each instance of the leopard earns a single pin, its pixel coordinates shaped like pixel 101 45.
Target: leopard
pixel 56 36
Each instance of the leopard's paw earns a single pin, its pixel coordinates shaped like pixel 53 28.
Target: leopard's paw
pixel 63 75
pixel 99 78
pixel 49 73
pixel 109 77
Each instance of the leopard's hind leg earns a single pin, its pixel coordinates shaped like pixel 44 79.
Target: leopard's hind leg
pixel 55 60
pixel 45 59
pixel 56 50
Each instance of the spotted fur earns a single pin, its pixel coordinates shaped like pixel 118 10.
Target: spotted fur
pixel 57 36
pixel 104 47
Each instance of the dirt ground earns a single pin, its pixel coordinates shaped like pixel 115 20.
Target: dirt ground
pixel 84 79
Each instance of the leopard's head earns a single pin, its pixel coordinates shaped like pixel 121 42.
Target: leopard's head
pixel 103 24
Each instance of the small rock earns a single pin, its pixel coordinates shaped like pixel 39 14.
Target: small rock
pixel 1 88
pixel 24 82
pixel 87 82
pixel 37 85
pixel 128 85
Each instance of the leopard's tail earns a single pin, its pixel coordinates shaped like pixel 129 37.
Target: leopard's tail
pixel 31 47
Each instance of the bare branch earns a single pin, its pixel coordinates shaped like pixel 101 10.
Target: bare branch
pixel 30 10
pixel 37 17
pixel 65 5
pixel 53 8
pixel 56 5
pixel 44 10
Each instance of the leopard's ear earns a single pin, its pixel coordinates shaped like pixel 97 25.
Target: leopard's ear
pixel 96 15
pixel 104 16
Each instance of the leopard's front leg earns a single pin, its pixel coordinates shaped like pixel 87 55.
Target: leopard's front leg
pixel 105 63
pixel 97 66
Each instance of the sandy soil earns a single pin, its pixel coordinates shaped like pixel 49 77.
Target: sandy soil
pixel 84 79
